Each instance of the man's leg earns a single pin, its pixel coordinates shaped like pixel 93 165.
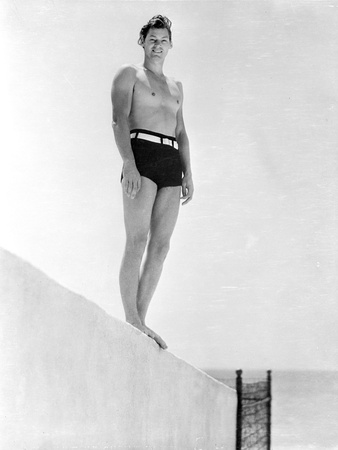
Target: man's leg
pixel 163 220
pixel 137 219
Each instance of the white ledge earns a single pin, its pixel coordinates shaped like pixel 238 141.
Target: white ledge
pixel 74 377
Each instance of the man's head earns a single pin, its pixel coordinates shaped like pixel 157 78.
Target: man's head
pixel 155 22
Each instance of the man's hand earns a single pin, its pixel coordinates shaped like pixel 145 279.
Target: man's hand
pixel 131 181
pixel 187 189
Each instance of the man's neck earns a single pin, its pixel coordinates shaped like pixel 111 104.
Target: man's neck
pixel 155 67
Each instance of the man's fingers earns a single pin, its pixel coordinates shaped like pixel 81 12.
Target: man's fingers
pixel 136 188
pixel 129 188
pixel 132 187
pixel 187 200
pixel 186 195
pixel 133 191
pixel 125 186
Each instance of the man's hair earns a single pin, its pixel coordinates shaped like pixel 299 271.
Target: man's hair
pixel 155 22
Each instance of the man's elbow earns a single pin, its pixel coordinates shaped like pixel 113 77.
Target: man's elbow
pixel 181 136
pixel 178 132
pixel 118 121
pixel 115 118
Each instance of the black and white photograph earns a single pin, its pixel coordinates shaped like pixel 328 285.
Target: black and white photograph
pixel 168 225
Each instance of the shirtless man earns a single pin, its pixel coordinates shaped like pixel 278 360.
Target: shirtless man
pixel 151 137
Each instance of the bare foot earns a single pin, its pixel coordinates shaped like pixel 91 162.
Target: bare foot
pixel 148 332
pixel 156 337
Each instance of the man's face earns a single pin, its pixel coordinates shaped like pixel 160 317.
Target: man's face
pixel 157 43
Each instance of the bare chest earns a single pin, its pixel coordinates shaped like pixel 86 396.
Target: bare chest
pixel 154 94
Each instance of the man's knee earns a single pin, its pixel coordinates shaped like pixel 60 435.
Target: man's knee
pixel 159 248
pixel 136 243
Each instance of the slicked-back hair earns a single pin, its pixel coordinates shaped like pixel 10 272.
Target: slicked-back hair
pixel 155 22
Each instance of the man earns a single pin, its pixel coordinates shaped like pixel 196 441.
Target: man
pixel 151 137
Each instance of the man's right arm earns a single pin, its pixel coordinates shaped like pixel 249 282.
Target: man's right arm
pixel 121 96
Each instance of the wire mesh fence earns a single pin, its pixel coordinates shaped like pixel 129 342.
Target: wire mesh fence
pixel 253 413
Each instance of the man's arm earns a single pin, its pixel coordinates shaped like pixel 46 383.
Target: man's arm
pixel 121 96
pixel 184 149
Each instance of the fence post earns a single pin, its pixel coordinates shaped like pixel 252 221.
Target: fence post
pixel 239 410
pixel 269 410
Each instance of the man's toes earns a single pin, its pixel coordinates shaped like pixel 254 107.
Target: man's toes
pixel 160 342
pixel 158 339
pixel 150 333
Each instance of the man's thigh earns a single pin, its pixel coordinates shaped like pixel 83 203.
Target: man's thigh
pixel 165 212
pixel 137 211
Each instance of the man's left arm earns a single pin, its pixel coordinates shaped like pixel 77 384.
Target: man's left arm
pixel 184 149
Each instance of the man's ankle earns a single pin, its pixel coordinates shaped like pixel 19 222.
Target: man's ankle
pixel 133 320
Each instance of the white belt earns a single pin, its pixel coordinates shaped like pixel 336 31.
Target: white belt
pixel 152 138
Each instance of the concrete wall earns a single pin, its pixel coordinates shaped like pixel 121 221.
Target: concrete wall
pixel 74 377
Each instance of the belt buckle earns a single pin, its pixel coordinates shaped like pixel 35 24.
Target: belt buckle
pixel 168 141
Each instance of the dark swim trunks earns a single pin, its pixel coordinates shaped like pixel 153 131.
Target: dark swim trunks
pixel 160 162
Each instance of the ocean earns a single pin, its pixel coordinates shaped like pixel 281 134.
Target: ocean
pixel 304 407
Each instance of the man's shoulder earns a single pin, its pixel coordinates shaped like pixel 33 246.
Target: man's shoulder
pixel 126 76
pixel 129 69
pixel 175 81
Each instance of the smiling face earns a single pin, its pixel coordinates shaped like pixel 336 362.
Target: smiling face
pixel 157 43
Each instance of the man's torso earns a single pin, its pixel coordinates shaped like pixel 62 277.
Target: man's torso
pixel 155 103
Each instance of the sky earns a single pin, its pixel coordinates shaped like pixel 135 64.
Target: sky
pixel 251 278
